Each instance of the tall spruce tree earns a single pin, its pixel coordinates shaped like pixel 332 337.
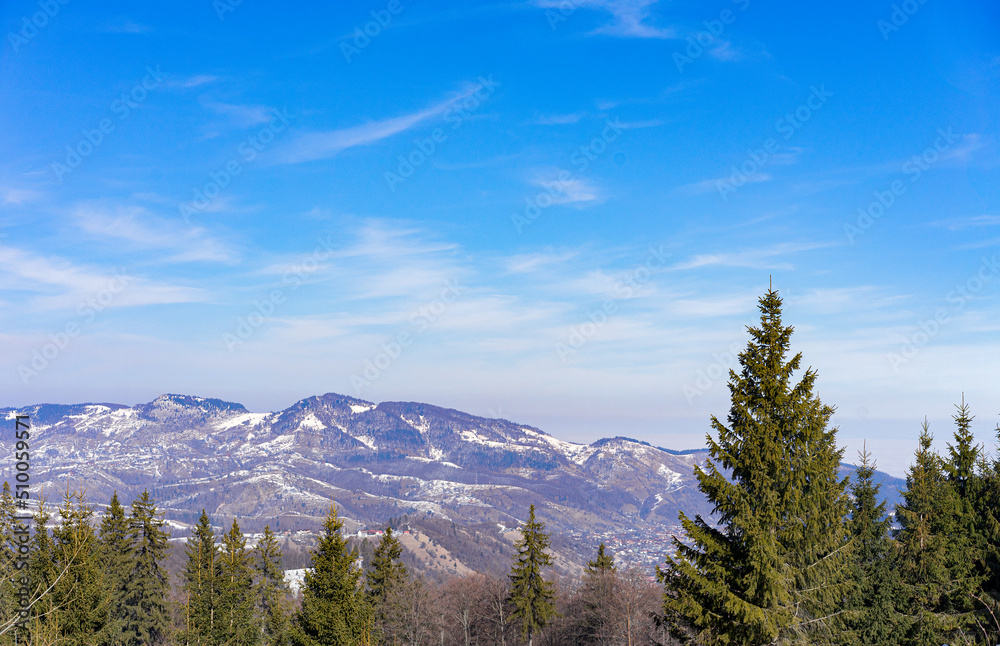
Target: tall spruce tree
pixel 334 609
pixel 79 596
pixel 925 518
pixel 602 563
pixel 271 591
pixel 386 570
pixel 44 575
pixel 8 555
pixel 872 617
pixel 987 510
pixel 145 591
pixel 117 561
pixel 201 580
pixel 771 570
pixel 597 602
pixel 384 579
pixel 236 614
pixel 966 545
pixel 531 595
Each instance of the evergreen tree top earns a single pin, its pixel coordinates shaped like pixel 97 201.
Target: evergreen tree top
pixel 964 454
pixel 602 563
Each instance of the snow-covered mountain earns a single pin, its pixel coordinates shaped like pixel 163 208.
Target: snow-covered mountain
pixel 377 461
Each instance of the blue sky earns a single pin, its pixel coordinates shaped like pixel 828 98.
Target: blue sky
pixel 561 213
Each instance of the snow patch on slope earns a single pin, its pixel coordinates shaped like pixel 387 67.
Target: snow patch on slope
pixel 250 419
pixel 310 421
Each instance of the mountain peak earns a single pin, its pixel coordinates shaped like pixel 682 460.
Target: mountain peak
pixel 185 403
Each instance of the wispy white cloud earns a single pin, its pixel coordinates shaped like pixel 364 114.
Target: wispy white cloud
pixel 17 195
pixel 137 228
pixel 713 306
pixel 558 119
pixel 533 262
pixel 197 80
pixel 313 146
pixel 630 18
pixel 56 283
pixel 127 27
pixel 639 125
pixel 574 190
pixel 242 116
pixel 724 50
pixel 968 222
pixel 752 258
pixel 709 185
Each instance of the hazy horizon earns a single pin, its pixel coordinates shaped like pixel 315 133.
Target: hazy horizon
pixel 560 212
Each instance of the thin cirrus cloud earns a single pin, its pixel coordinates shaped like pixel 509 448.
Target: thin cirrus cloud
pixel 197 80
pixel 313 146
pixel 557 119
pixel 960 223
pixel 709 185
pixel 242 116
pixel 753 258
pixel 127 27
pixel 53 283
pixel 630 18
pixel 142 231
pixel 572 191
pixel 17 196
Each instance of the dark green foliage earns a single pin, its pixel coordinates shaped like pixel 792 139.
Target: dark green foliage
pixel 987 511
pixel 78 593
pixel 43 574
pixel 772 569
pixel 597 598
pixel 144 602
pixel 236 617
pixel 271 591
pixel 8 600
pixel 334 609
pixel 387 572
pixel 925 518
pixel 14 577
pixel 201 580
pixel 872 617
pixel 531 595
pixel 385 580
pixel 116 558
pixel 602 562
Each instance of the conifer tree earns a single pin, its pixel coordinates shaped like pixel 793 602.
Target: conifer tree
pixel 386 571
pixel 772 569
pixel 334 609
pixel 116 558
pixel 987 511
pixel 602 563
pixel 531 595
pixel 43 626
pixel 145 591
pixel 966 543
pixel 239 624
pixel 385 579
pixel 872 617
pixel 201 579
pixel 8 555
pixel 597 598
pixel 79 596
pixel 271 591
pixel 924 519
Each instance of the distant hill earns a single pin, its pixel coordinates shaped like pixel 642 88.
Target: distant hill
pixel 462 480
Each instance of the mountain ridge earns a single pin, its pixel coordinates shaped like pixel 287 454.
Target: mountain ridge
pixel 377 460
